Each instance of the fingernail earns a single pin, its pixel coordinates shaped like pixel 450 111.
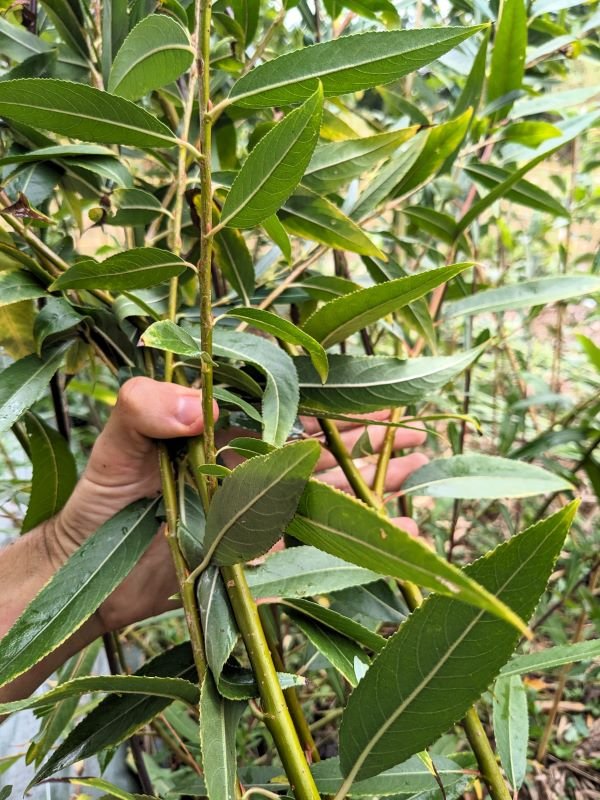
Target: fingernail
pixel 189 409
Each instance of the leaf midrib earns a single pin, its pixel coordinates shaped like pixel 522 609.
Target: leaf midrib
pixel 144 57
pixel 34 375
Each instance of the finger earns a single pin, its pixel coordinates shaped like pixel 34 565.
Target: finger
pixel 403 438
pixel 398 471
pixel 407 524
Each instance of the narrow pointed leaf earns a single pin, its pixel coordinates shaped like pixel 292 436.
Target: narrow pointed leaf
pixel 115 718
pixel 253 506
pixel 166 335
pixel 67 18
pixel 219 719
pixel 220 629
pixel 523 192
pixel 347 64
pixel 508 55
pixel 18 44
pixel 286 330
pixel 476 476
pixel 139 268
pixel 552 657
pixel 24 382
pixel 357 384
pixel 340 318
pixel 235 262
pixel 134 207
pixel 172 688
pixel 274 167
pixel 78 588
pixel 320 573
pixel 411 780
pixel 337 622
pixel 416 688
pixel 539 292
pixel 343 526
pixel 156 52
pixel 280 398
pixel 81 112
pixel 511 727
pixel 313 217
pixel 54 472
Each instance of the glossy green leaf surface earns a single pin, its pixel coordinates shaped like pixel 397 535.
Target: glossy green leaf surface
pixel 138 268
pixel 157 51
pixel 304 571
pixel 341 652
pixel 284 329
pixel 220 629
pixel 446 640
pixel 481 476
pixel 115 718
pixel 55 321
pixel 280 398
pixel 340 318
pixel 410 779
pixel 357 384
pixel 335 163
pixel 133 207
pixel 508 54
pixel 219 719
pixel 166 335
pixel 172 688
pixel 511 727
pixel 346 64
pixel 539 292
pixel 343 526
pixel 253 506
pixel 54 472
pixel 57 152
pixel 68 20
pixel 16 286
pixel 337 622
pixel 523 191
pixel 310 216
pixel 275 166
pixel 552 657
pixel 24 382
pixel 78 588
pixel 235 262
pixel 81 112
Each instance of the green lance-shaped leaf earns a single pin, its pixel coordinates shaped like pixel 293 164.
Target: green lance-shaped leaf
pixel 24 382
pixel 18 44
pixel 470 97
pixel 286 330
pixel 57 320
pixel 166 335
pixel 337 622
pixel 171 688
pixel 336 163
pixel 134 207
pixel 235 262
pixel 115 718
pixel 275 166
pixel 219 719
pixel 54 472
pixel 108 789
pixel 81 112
pixel 280 398
pixel 342 653
pixel 552 657
pixel 310 216
pixel 321 573
pixel 357 384
pixel 17 285
pixel 220 629
pixel 523 192
pixel 539 292
pixel 67 18
pixel 278 234
pixel 411 780
pixel 157 51
pixel 252 507
pixel 445 655
pixel 476 476
pixel 508 55
pixel 511 727
pixel 343 526
pixel 78 588
pixel 57 152
pixel 340 318
pixel 139 268
pixel 347 64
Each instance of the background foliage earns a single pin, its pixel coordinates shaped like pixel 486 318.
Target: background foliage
pixel 427 195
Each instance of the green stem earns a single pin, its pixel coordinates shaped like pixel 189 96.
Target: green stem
pixel 276 714
pixel 485 756
pixel 343 458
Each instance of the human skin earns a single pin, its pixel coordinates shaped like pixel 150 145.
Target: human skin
pixel 122 468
